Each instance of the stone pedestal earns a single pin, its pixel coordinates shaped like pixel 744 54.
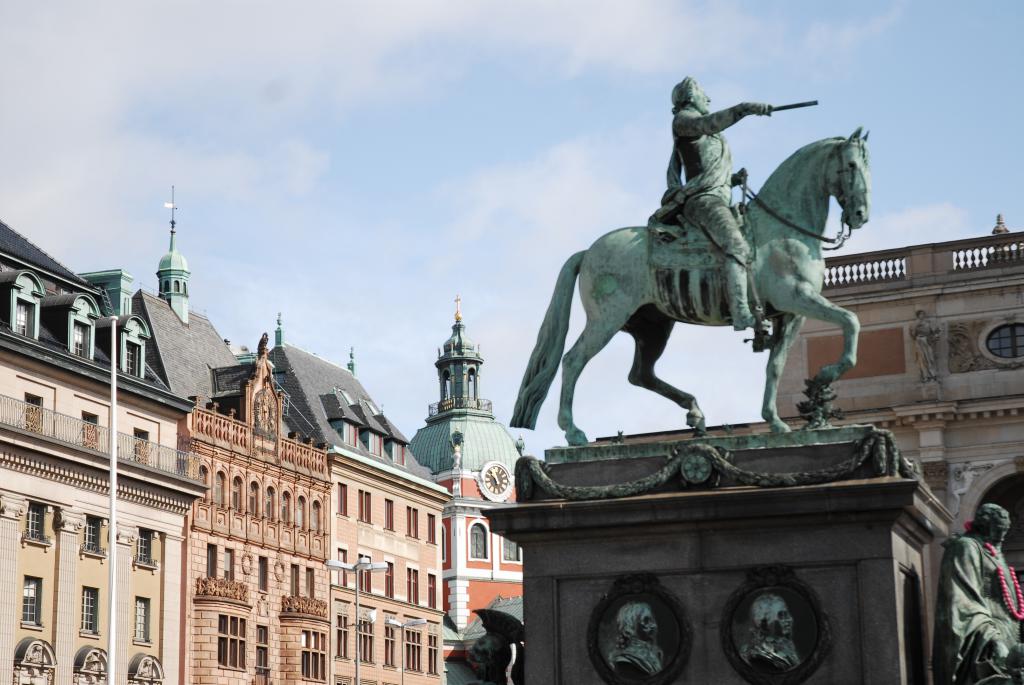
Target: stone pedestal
pixel 844 561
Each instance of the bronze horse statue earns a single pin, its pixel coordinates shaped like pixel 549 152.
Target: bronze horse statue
pixel 643 279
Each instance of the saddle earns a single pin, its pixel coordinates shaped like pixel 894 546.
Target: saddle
pixel 687 247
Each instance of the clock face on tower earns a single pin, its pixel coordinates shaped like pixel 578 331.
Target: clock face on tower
pixel 495 481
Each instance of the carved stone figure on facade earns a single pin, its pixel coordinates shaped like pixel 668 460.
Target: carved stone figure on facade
pixel 925 335
pixel 771 646
pixel 636 651
pixel 502 646
pixel 700 151
pixel 979 608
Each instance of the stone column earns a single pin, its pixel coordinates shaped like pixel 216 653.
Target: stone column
pixel 69 525
pixel 126 538
pixel 12 511
pixel 171 634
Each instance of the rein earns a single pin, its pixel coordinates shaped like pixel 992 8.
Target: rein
pixel 844 231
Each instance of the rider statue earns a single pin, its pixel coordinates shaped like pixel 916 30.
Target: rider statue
pixel 700 149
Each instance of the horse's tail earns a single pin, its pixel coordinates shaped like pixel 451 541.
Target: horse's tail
pixel 548 350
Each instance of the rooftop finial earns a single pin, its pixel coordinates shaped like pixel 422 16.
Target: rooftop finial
pixel 278 332
pixel 1000 226
pixel 171 206
pixel 458 308
pixel 352 360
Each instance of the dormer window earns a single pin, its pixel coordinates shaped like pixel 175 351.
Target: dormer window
pixel 132 358
pixel 24 291
pixel 133 334
pixel 24 318
pixel 80 340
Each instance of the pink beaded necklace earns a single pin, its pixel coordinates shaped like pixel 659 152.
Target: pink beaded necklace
pixel 1017 614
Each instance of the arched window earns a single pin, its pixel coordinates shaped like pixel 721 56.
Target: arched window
pixel 269 504
pixel 204 475
pixel 286 507
pixel 220 489
pixel 184 287
pixel 167 286
pixel 254 498
pixel 314 517
pixel 444 546
pixel 177 287
pixel 447 383
pixel 471 390
pixel 300 512
pixel 477 541
pixel 236 494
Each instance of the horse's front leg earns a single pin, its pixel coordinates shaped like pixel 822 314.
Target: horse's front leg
pixel 808 302
pixel 789 327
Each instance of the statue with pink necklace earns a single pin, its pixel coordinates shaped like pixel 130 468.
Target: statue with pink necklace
pixel 980 607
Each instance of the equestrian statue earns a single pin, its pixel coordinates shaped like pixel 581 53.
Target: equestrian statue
pixel 702 261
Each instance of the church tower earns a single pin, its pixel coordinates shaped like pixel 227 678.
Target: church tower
pixel 172 274
pixel 473 456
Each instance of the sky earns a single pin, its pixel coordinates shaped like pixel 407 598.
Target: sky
pixel 355 165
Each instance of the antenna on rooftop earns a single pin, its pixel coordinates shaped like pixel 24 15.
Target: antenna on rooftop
pixel 171 206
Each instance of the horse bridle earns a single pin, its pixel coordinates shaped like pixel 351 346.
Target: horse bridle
pixel 845 231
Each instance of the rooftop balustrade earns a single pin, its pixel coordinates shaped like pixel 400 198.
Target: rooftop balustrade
pixel 76 432
pixel 459 403
pixel 936 259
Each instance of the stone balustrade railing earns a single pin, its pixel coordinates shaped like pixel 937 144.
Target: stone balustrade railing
pixel 220 428
pixel 298 604
pixel 222 587
pixel 916 261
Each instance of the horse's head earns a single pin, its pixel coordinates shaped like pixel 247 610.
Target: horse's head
pixel 852 179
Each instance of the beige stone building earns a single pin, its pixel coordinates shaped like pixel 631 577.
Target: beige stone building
pixel 54 474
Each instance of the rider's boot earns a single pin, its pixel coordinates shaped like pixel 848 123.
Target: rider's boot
pixel 736 286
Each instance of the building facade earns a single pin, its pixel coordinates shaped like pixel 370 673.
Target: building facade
pixel 472 455
pixel 55 420
pixel 384 508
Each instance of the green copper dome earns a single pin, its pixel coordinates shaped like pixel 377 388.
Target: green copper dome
pixel 483 440
pixel 173 260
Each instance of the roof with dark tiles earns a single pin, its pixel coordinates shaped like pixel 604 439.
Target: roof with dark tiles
pixel 319 392
pixel 22 249
pixel 182 354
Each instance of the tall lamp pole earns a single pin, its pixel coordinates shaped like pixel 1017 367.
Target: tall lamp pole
pixel 112 675
pixel 402 626
pixel 364 565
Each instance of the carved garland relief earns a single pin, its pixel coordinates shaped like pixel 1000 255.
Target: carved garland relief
pixel 966 343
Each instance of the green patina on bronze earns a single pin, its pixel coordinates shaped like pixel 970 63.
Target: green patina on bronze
pixel 875 449
pixel 977 638
pixel 692 261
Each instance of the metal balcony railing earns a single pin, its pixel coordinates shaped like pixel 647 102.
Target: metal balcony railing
pixel 459 403
pixel 78 433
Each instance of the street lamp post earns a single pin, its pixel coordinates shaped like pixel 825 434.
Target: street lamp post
pixel 364 565
pixel 402 626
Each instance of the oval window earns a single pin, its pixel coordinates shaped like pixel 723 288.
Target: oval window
pixel 1007 341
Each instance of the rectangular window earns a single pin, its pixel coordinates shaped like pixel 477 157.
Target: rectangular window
pixel 144 548
pixel 431 529
pixel 413 650
pixel 264 574
pixel 432 654
pixel 295 580
pixel 35 522
pixel 314 655
pixel 365 514
pixel 389 581
pixel 366 641
pixel 90 610
pixel 229 564
pixel 133 359
pixel 365 579
pixel 341 649
pixel 389 642
pixel 342 499
pixel 31 601
pixel 142 619
pixel 231 642
pixel 262 651
pixel 211 561
pixel 80 340
pixel 343 557
pixel 90 430
pixel 431 591
pixel 510 551
pixel 310 583
pixel 412 522
pixel 141 446
pixel 412 586
pixel 389 515
pixel 33 413
pixel 24 318
pixel 93 535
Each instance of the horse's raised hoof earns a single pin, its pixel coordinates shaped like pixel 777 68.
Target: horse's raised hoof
pixel 575 437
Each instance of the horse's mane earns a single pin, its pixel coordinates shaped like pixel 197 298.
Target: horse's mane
pixel 798 160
